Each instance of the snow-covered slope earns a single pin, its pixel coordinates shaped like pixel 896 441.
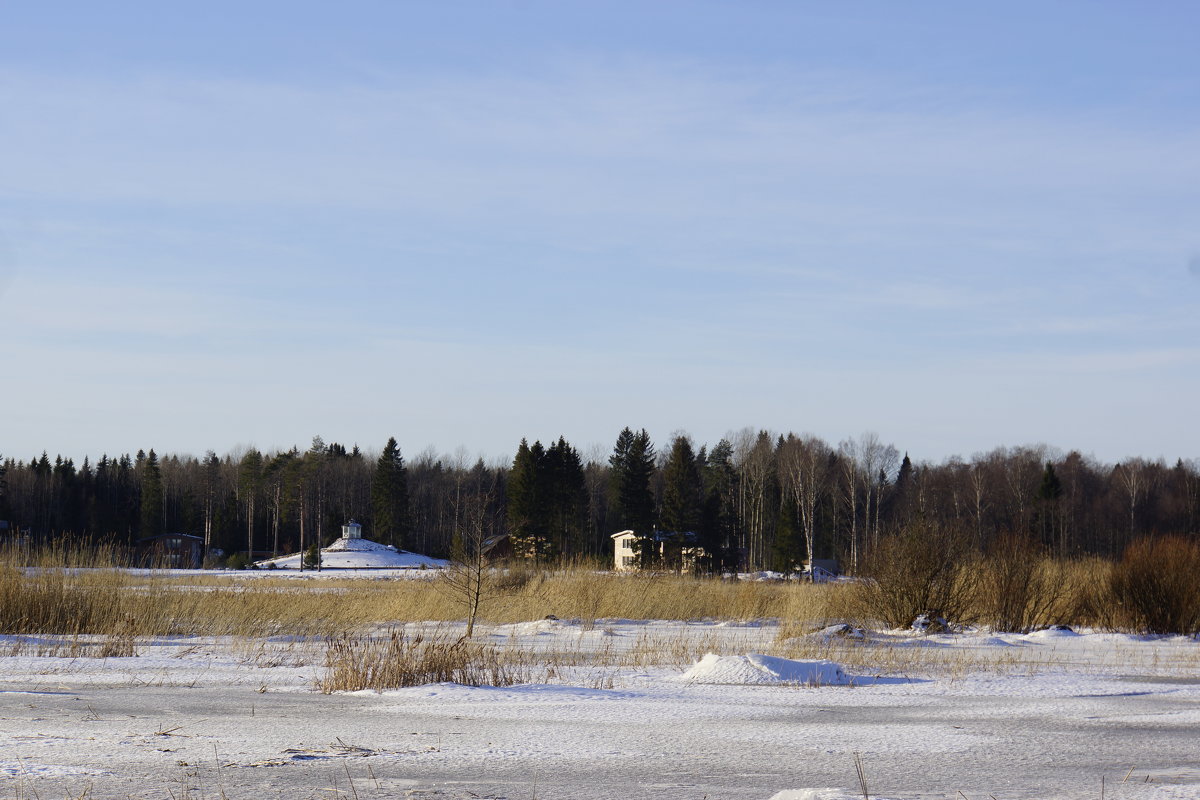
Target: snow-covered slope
pixel 360 554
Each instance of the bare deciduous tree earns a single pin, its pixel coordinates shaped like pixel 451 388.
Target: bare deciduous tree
pixel 469 578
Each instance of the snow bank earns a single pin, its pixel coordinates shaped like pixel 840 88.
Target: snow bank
pixel 757 669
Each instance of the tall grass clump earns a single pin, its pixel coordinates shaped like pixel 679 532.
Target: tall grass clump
pixel 53 601
pixel 353 663
pixel 1156 586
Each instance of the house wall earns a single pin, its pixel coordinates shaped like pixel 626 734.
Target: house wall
pixel 624 556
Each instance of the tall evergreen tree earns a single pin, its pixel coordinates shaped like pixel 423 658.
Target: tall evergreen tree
pixel 528 520
pixel 786 551
pixel 680 507
pixel 389 496
pixel 632 464
pixel 718 526
pixel 249 485
pixel 617 463
pixel 1046 512
pixel 566 497
pixel 899 502
pixel 4 511
pixel 152 497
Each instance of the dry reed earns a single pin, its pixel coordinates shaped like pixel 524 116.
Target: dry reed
pixel 354 663
pixel 76 592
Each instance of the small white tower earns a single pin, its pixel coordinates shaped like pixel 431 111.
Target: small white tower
pixel 352 530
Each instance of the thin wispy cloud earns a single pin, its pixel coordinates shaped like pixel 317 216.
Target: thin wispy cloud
pixel 615 224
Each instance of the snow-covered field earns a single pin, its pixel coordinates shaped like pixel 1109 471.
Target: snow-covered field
pixel 1046 715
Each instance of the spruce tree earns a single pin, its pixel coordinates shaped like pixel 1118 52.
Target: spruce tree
pixel 618 465
pixel 786 550
pixel 681 489
pixel 389 496
pixel 633 467
pixel 566 497
pixel 718 518
pixel 4 513
pixel 152 497
pixel 1046 513
pixel 528 520
pixel 899 506
pixel 250 473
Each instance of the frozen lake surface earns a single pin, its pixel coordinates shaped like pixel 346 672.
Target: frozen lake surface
pixel 1047 715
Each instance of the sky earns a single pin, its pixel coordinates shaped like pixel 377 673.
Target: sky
pixel 960 226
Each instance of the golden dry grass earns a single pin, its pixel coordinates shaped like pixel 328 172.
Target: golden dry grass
pixel 71 593
pixel 79 592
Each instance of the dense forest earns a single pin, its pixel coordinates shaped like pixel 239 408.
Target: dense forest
pixel 755 500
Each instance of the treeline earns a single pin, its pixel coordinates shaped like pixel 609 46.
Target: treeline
pixel 755 500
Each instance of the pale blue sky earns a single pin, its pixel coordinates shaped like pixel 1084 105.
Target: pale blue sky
pixel 464 223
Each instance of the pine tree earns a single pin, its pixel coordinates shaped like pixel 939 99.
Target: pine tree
pixel 389 496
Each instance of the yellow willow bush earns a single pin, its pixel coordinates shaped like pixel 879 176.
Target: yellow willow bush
pixel 1017 587
pixel 1156 585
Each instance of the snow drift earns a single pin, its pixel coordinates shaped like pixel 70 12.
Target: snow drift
pixel 757 669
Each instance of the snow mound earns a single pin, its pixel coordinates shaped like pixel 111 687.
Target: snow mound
pixel 1053 632
pixel 598 633
pixel 996 641
pixel 537 627
pixel 756 669
pixel 839 631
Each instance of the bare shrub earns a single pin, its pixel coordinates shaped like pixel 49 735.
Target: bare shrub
pixel 912 573
pixel 1156 585
pixel 354 663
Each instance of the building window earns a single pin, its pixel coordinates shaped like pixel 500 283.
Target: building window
pixel 628 561
pixel 627 544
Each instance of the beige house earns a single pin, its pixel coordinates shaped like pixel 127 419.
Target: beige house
pixel 624 556
pixel 680 550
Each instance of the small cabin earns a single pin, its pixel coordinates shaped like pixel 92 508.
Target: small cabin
pixel 171 551
pixel 820 570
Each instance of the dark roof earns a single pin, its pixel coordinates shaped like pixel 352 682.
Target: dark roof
pixel 172 535
pixel 687 537
pixel 492 542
